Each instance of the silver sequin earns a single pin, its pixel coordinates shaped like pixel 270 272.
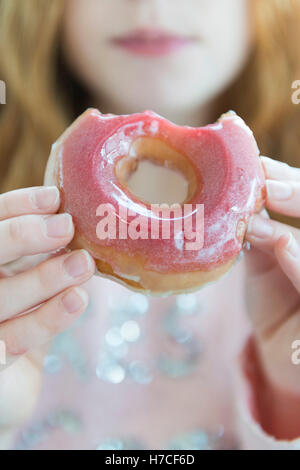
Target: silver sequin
pixel 52 364
pixel 130 331
pixel 138 304
pixel 197 440
pixel 66 420
pixel 114 337
pixel 139 372
pixel 176 368
pixel 120 444
pixel 113 373
pixel 187 303
pixel 33 436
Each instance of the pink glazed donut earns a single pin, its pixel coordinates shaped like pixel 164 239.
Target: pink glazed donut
pixel 158 250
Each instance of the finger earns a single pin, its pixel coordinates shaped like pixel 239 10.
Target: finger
pixel 34 234
pixel 287 252
pixel 284 197
pixel 40 200
pixel 22 264
pixel 276 170
pixel 266 305
pixel 29 289
pixel 34 330
pixel 263 233
pixel 28 262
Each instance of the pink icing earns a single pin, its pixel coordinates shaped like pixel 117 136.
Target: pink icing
pixel 225 158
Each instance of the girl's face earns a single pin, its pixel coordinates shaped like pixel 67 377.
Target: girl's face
pixel 166 55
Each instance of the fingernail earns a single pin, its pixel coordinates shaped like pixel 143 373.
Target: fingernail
pixel 74 300
pixel 45 198
pixel 274 163
pixel 260 227
pixel 58 225
pixel 78 264
pixel 264 213
pixel 278 190
pixel 293 247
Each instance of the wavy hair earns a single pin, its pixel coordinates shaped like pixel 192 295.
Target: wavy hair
pixel 41 93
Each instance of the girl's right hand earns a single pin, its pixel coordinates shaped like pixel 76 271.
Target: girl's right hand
pixel 37 299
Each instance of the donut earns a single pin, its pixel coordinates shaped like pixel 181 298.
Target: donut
pixel 158 250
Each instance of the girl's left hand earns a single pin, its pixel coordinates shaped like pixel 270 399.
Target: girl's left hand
pixel 273 297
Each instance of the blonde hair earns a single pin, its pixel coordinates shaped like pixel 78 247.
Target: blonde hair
pixel 36 112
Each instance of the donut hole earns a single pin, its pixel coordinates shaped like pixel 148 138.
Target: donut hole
pixel 156 184
pixel 156 173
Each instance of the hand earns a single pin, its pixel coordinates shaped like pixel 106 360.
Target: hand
pixel 273 295
pixel 39 293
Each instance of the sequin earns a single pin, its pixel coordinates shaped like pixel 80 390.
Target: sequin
pixel 114 337
pixel 113 302
pixel 52 364
pixel 172 328
pixel 124 330
pixel 32 437
pixel 138 304
pixel 130 331
pixel 186 303
pixel 113 373
pixel 176 368
pixel 198 440
pixel 120 444
pixel 139 372
pixel 112 444
pixel 67 346
pixel 181 336
pixel 119 352
pixel 201 439
pixel 66 420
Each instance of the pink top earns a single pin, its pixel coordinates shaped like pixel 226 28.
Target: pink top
pixel 138 372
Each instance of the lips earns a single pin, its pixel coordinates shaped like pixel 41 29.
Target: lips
pixel 150 42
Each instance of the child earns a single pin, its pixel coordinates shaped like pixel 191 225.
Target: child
pixel 135 372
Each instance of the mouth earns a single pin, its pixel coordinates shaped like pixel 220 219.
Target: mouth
pixel 152 42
